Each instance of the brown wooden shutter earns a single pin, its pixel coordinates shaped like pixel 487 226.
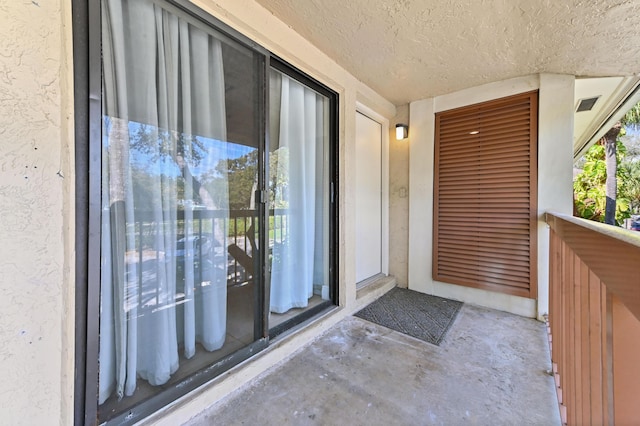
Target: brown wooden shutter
pixel 485 195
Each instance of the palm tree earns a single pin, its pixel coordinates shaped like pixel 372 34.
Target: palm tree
pixel 609 140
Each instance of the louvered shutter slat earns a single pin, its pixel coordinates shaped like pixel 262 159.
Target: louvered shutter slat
pixel 485 196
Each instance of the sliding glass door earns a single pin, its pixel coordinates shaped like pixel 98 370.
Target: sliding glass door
pixel 299 192
pixel 182 143
pixel 217 218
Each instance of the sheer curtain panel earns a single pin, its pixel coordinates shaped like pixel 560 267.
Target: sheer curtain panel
pixel 163 283
pixel 299 255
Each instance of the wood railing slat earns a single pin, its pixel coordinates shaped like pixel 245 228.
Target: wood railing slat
pixel 584 344
pixel 625 359
pixel 595 350
pixel 577 340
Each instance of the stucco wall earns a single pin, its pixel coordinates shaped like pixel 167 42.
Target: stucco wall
pixel 399 198
pixel 555 162
pixel 556 105
pixel 36 307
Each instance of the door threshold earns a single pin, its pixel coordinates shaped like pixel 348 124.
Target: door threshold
pixel 368 281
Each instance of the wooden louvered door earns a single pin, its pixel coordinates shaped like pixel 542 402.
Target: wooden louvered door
pixel 485 195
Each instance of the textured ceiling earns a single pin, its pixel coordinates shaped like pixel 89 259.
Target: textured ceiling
pixel 414 49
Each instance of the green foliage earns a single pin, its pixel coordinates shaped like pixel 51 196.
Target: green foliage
pixel 160 144
pixel 147 187
pixel 238 227
pixel 632 184
pixel 232 182
pixel 589 186
pixel 279 178
pixel 241 177
pixel 632 117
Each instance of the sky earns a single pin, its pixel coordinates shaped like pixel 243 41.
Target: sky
pixel 216 150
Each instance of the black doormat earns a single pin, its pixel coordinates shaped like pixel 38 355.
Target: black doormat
pixel 419 315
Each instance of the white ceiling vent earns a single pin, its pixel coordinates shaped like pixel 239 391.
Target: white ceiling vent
pixel 587 104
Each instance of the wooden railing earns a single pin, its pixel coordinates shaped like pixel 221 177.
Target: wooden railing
pixel 239 226
pixel 594 320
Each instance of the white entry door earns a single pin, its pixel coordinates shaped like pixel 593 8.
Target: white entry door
pixel 368 197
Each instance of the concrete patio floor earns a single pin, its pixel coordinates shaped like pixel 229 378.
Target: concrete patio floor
pixel 490 370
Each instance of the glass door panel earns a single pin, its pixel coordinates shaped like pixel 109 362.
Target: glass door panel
pixel 181 157
pixel 298 199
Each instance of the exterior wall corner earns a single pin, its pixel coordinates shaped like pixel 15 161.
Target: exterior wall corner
pixel 555 165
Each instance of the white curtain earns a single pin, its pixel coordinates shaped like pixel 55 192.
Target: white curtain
pixel 163 86
pixel 298 258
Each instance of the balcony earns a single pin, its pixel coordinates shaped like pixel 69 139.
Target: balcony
pixel 492 368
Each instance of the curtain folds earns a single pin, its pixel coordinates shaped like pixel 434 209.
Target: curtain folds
pixel 162 285
pixel 165 191
pixel 300 137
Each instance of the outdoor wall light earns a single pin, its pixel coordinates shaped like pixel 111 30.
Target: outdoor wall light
pixel 402 131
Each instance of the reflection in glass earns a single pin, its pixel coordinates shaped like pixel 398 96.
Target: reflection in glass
pixel 176 197
pixel 299 221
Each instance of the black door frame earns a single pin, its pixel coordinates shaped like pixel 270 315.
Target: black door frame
pixel 87 69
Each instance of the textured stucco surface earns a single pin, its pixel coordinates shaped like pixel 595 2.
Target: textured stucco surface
pixel 555 178
pixel 415 49
pixel 34 157
pixel 399 199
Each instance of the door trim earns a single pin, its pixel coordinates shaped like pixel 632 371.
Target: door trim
pixel 384 124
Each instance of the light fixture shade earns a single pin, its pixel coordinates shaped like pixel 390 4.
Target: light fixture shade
pixel 402 131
